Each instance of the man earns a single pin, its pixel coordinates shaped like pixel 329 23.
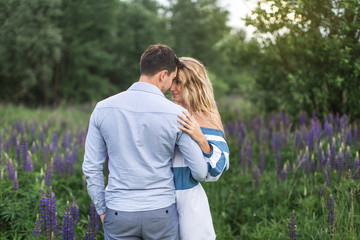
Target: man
pixel 138 129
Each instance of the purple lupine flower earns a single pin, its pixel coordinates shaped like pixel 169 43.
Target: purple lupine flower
pixel 7 145
pixel 302 118
pixel 356 166
pixel 265 134
pixel 340 162
pixel 25 157
pixel 292 227
pixel 48 176
pixel 81 139
pixel 16 182
pixel 349 137
pixel 318 129
pixel 67 140
pixel 74 211
pixel 242 129
pixel 54 141
pixel 284 119
pixel 50 214
pixel 331 119
pixel 256 177
pixel 10 168
pixel 331 214
pixel 18 151
pixel 249 154
pixel 262 162
pixel 20 128
pixel 310 138
pixel 240 138
pixel 59 164
pixel 43 211
pixel 89 235
pixel 67 227
pixel 94 217
pixel 230 128
pixel 328 129
pixel 306 161
pixel 314 115
pixel 333 152
pixel 93 225
pixel 242 161
pixel 37 228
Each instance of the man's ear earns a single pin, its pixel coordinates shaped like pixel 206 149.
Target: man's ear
pixel 163 74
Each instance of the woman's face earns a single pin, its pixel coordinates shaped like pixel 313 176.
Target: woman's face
pixel 176 91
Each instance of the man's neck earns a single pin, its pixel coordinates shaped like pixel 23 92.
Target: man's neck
pixel 150 79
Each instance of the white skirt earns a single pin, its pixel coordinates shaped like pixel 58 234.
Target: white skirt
pixel 195 222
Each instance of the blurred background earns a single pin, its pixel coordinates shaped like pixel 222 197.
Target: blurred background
pixel 286 75
pixel 263 56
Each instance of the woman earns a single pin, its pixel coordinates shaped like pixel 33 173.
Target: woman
pixel 193 90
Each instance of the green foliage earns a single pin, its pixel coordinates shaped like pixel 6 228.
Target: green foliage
pixel 311 59
pixel 240 210
pixel 30 46
pixel 197 26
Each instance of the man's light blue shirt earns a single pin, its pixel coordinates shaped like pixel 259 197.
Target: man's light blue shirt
pixel 138 129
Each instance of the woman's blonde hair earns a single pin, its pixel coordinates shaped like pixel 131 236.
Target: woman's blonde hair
pixel 197 89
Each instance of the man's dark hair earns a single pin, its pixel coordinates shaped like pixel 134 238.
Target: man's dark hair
pixel 157 58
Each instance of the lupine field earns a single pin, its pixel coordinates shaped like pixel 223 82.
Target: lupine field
pixel 288 179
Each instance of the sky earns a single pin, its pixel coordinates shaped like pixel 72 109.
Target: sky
pixel 237 9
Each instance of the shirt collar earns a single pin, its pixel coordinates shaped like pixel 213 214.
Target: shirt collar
pixel 146 87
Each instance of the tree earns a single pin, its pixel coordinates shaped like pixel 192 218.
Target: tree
pixel 196 27
pixel 312 60
pixel 30 46
pixel 137 27
pixel 87 29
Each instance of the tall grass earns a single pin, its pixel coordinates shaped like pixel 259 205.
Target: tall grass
pixel 284 179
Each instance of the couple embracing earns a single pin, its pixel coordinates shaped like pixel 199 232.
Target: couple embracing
pixel 158 152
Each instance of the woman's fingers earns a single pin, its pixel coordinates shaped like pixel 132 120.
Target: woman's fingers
pixel 183 118
pixel 184 129
pixel 186 114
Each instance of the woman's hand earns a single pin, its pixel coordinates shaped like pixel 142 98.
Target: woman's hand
pixel 191 127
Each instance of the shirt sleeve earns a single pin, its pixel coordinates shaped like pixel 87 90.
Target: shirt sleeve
pixel 218 159
pixel 193 156
pixel 94 157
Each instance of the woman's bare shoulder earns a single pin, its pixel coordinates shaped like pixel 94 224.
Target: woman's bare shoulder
pixel 211 120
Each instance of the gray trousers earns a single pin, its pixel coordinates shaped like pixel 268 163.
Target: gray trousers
pixel 160 224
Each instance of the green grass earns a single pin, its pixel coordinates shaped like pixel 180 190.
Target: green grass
pixel 239 209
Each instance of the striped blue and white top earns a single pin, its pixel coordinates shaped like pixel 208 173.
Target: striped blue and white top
pixel 195 220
